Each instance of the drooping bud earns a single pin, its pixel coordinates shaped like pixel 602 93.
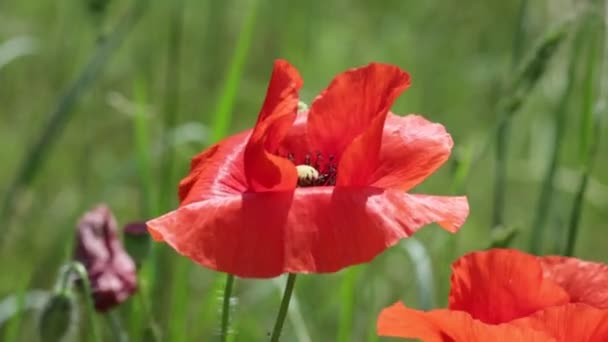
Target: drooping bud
pixel 137 241
pixel 60 312
pixel 57 316
pixel 110 269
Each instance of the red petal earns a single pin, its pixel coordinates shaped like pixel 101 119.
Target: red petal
pixel 217 171
pixel 412 149
pixel 264 170
pixel 315 229
pixel 449 326
pixel 351 112
pixel 568 323
pixel 500 285
pixel 585 281
pixel 296 142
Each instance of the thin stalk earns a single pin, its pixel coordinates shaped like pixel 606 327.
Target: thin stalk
pixel 171 109
pixel 223 111
pixel 118 333
pixel 590 126
pixel 172 81
pixel 546 195
pixel 347 293
pixel 278 326
pixel 226 307
pixel 504 129
pixel 575 216
pixel 88 294
pixel 149 206
pixel 61 114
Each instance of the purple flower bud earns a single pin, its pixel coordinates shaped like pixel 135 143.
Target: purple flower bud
pixel 111 270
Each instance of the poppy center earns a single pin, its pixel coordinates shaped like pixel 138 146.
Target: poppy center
pixel 319 172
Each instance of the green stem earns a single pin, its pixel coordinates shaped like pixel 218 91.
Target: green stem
pixel 500 176
pixel 576 215
pixel 118 333
pixel 546 195
pixel 171 109
pixel 226 307
pixel 88 294
pixel 278 325
pixel 504 129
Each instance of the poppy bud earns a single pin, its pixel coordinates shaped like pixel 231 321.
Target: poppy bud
pixel 137 241
pixel 111 270
pixel 57 316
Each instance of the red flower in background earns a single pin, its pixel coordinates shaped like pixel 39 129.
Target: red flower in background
pixel 507 295
pixel 111 270
pixel 313 191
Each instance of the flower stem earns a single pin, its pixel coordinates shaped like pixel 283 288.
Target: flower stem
pixel 226 307
pixel 79 269
pixel 278 325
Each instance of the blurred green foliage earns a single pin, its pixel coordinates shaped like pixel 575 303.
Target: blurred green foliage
pixel 458 54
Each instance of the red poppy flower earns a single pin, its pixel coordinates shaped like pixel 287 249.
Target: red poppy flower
pixel 314 191
pixel 111 270
pixel 507 295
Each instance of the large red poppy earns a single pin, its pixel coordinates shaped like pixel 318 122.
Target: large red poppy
pixel 251 208
pixel 507 295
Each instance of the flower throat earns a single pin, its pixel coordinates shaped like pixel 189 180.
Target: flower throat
pixel 317 173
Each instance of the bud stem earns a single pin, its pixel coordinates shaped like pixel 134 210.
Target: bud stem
pixel 79 269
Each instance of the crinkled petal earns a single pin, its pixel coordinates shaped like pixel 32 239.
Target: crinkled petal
pixel 585 281
pixel 348 118
pixel 412 149
pixel 317 229
pixel 217 171
pixel 449 326
pixel 264 170
pixel 568 323
pixel 295 144
pixel 500 285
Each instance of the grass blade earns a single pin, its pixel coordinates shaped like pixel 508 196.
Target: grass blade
pixel 149 208
pixel 589 136
pixel 423 271
pixel 171 110
pixel 223 110
pixel 546 193
pixel 347 294
pixel 502 138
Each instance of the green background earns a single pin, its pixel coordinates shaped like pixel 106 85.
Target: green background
pixel 210 77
